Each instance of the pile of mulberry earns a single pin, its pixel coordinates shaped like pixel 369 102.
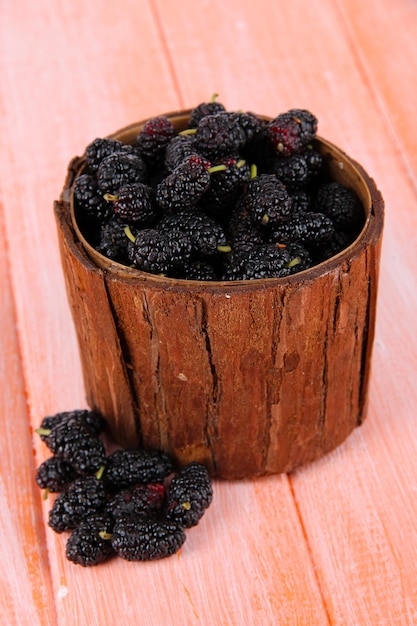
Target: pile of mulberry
pixel 248 182
pixel 136 504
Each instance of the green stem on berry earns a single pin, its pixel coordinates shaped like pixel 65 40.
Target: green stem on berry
pixel 100 472
pixel 216 168
pixel 45 494
pixel 214 97
pixel 110 197
pixel 105 535
pixel 265 219
pixel 43 431
pixel 224 249
pixel 188 131
pixel 129 234
pixel 241 163
pixel 253 171
pixel 293 262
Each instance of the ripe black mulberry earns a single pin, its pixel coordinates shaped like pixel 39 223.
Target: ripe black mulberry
pixel 190 494
pixel 143 538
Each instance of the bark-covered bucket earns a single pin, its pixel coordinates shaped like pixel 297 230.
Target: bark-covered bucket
pixel 248 377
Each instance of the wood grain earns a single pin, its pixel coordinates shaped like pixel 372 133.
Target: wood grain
pixel 25 579
pixel 334 542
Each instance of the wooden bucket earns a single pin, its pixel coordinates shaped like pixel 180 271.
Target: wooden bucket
pixel 247 377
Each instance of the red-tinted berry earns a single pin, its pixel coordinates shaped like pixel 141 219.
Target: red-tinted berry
pixel 185 185
pixel 154 138
pixel 292 131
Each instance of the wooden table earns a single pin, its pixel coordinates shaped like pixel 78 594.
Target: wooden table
pixel 332 543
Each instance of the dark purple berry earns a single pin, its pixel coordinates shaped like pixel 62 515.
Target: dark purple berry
pixel 179 148
pixel 55 474
pixel 134 203
pixel 143 538
pixel 137 499
pixel 113 242
pixel 74 443
pixel 203 109
pixel 220 135
pixel 225 187
pixel 198 270
pixel 190 494
pixel 264 261
pixel 154 138
pixel 300 258
pixel 88 198
pixel 292 131
pixel 206 235
pixel 339 203
pixel 292 171
pixel 82 498
pixel 158 252
pixel 305 227
pixel 101 148
pixel 267 200
pixel 90 543
pixel 120 169
pixel 185 185
pixel 133 466
pixel 93 421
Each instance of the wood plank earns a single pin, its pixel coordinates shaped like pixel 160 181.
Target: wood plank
pixel 388 61
pixel 25 589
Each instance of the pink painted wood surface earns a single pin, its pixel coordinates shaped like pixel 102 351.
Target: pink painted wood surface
pixel 333 543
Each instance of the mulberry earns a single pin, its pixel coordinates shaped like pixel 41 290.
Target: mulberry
pixel 220 135
pixel 120 169
pixel 267 200
pixel 75 444
pixel 137 499
pixel 134 203
pixel 89 200
pixel 225 188
pixel 339 203
pixel 206 235
pixel 179 148
pixel 93 421
pixel 292 131
pixel 305 227
pixel 129 467
pixel 185 185
pixel 159 253
pixel 264 261
pixel 190 494
pixel 55 474
pixel 101 148
pixel 154 138
pixel 90 543
pixel 205 108
pixel 143 538
pixel 114 241
pixel 83 497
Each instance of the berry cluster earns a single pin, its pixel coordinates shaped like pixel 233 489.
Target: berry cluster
pixel 129 502
pixel 230 197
